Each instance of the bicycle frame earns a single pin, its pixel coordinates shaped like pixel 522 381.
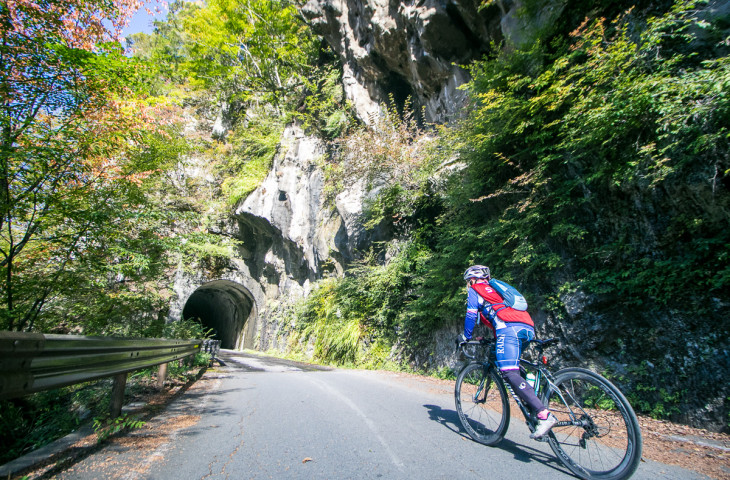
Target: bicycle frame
pixel 541 373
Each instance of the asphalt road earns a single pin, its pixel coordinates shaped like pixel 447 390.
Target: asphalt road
pixel 264 418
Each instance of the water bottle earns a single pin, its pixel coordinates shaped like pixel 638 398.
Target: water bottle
pixel 530 379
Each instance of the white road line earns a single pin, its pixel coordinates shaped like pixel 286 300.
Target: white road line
pixel 371 425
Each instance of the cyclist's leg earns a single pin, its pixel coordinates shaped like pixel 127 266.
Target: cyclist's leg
pixel 509 349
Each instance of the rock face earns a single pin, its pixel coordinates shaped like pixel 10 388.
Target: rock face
pixel 416 49
pixel 288 238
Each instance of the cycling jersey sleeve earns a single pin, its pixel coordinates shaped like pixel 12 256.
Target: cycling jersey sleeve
pixel 472 312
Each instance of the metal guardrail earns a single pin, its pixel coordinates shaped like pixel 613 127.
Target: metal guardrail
pixel 32 362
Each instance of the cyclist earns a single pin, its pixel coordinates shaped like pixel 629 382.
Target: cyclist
pixel 511 328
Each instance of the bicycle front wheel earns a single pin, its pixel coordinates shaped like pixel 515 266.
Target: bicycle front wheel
pixel 597 435
pixel 482 403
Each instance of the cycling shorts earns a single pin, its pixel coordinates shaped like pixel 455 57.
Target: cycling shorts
pixel 509 345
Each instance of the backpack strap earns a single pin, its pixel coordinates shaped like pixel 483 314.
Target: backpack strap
pixel 497 310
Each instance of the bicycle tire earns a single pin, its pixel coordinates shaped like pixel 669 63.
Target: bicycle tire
pixel 608 445
pixel 482 403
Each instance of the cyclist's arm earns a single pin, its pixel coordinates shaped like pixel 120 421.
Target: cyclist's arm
pixel 472 313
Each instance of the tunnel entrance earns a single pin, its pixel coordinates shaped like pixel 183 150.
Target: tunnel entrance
pixel 227 308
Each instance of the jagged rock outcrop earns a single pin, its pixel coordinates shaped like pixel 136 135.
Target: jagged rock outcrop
pixel 289 238
pixel 291 200
pixel 417 49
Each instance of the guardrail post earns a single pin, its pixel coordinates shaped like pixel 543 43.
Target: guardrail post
pixel 115 406
pixel 161 375
pixel 212 347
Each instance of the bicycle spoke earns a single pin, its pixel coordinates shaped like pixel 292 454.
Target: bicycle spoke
pixel 481 404
pixel 599 435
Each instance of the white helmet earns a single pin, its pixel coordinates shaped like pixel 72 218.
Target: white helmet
pixel 477 271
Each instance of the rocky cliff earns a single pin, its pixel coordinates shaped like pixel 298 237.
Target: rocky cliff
pixel 289 237
pixel 416 50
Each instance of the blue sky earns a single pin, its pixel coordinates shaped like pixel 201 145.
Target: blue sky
pixel 142 22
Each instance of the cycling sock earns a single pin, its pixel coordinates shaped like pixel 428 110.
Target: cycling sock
pixel 543 415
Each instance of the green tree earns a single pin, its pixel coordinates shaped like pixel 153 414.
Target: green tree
pixel 253 51
pixel 165 50
pixel 58 97
pixel 82 154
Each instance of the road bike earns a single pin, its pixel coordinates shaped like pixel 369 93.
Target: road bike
pixel 597 435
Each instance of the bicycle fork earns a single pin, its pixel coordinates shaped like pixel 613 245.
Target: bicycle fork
pixel 481 388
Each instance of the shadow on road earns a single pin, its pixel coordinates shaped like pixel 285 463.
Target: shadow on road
pixel 450 419
pixel 447 418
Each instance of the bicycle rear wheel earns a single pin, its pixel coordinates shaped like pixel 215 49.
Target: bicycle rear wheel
pixel 482 403
pixel 599 437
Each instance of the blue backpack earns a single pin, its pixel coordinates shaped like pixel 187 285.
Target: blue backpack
pixel 512 298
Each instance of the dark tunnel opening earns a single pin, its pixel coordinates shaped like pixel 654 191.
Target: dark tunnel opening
pixel 228 309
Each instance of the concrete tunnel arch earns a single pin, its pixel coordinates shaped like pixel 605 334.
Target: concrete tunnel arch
pixel 229 309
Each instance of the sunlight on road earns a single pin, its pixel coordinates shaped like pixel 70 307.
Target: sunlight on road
pixel 259 365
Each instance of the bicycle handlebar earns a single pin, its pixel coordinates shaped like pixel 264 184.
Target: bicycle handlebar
pixel 481 342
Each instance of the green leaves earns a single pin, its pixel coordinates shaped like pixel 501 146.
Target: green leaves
pixel 249 157
pixel 600 131
pixel 257 51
